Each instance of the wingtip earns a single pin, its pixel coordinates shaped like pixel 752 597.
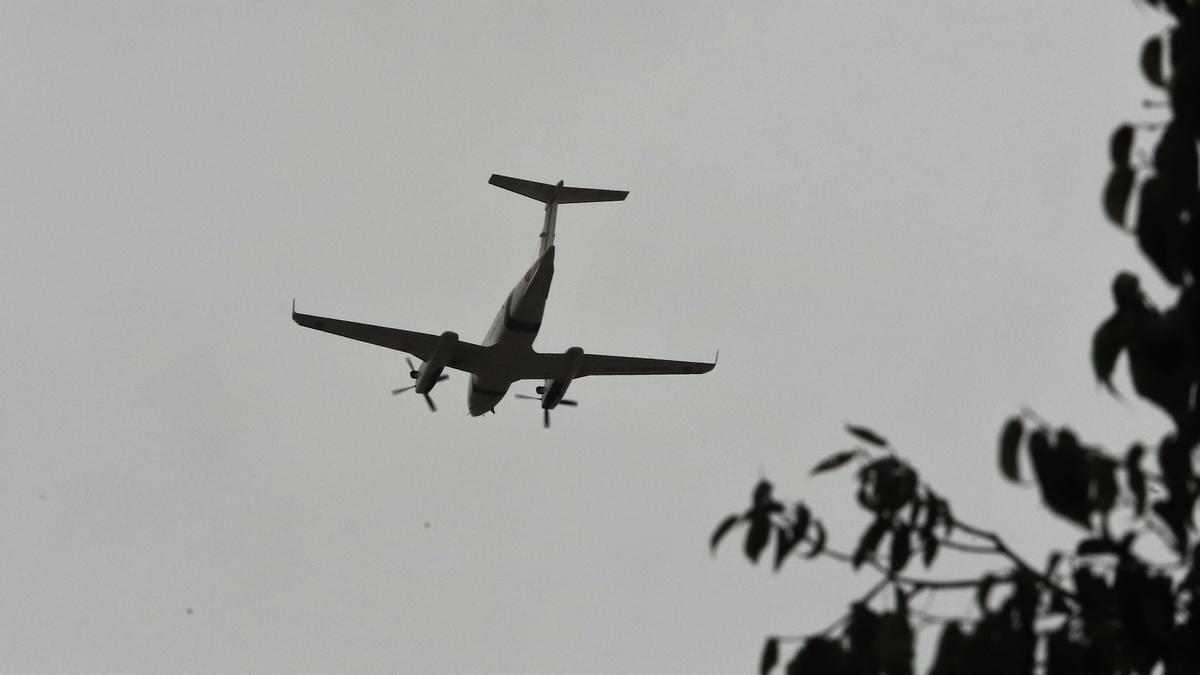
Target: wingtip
pixel 716 358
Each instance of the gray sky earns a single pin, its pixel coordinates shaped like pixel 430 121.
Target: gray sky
pixel 880 212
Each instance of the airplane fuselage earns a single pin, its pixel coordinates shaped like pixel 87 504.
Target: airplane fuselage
pixel 512 333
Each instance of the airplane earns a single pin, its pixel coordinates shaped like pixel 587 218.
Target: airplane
pixel 506 354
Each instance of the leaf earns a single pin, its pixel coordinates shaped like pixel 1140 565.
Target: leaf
pixel 929 548
pixel 818 546
pixel 982 591
pixel 862 631
pixel 1062 474
pixel 1010 445
pixel 1052 563
pixel 1104 484
pixel 953 652
pixel 901 548
pixel 894 644
pixel 1116 194
pixel 867 436
pixel 945 516
pixel 1135 477
pixel 722 529
pixel 757 537
pixel 1059 605
pixel 869 542
pixel 1091 591
pixel 914 512
pixel 1120 145
pixel 1175 157
pixel 886 485
pixel 1107 344
pixel 1152 53
pixel 819 655
pixel 834 461
pixel 762 493
pixel 932 512
pixel 770 656
pixel 1158 218
pixel 1097 546
pixel 800 524
pixel 788 539
pixel 784 544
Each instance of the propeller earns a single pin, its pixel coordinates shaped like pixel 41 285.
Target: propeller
pixel 546 411
pixel 412 372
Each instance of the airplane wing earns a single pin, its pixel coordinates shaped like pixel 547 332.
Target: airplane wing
pixel 557 365
pixel 599 364
pixel 467 356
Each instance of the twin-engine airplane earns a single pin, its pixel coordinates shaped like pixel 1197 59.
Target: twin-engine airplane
pixel 506 354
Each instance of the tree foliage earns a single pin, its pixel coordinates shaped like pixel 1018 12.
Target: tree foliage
pixel 1101 605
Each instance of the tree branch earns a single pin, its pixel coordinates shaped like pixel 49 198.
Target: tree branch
pixel 1003 549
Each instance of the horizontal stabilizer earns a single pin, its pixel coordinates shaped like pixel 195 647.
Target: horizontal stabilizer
pixel 559 194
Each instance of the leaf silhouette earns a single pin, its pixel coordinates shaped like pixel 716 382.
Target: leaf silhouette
pixel 886 485
pixel 869 542
pixel 1096 546
pixel 982 591
pixel 1116 194
pixel 800 524
pixel 1120 145
pixel 1107 344
pixel 819 655
pixel 834 461
pixel 785 543
pixel 1152 53
pixel 929 548
pixel 1010 445
pixel 757 537
pixel 953 652
pixel 894 644
pixel 1175 158
pixel 770 656
pixel 762 493
pixel 1052 563
pixel 818 546
pixel 867 436
pixel 901 548
pixel 1157 223
pixel 788 539
pixel 1062 474
pixel 722 529
pixel 1104 484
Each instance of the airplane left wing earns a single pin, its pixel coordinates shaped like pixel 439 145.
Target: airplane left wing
pixel 466 356
pixel 599 364
pixel 553 366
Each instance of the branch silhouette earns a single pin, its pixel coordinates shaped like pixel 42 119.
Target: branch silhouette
pixel 1100 604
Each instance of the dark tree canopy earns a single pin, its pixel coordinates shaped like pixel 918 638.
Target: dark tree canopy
pixel 1097 606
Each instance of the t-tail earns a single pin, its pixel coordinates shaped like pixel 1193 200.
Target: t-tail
pixel 552 196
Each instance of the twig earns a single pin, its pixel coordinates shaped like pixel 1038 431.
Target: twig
pixel 1003 549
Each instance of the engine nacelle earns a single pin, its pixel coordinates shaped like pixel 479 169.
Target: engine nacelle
pixel 431 370
pixel 555 388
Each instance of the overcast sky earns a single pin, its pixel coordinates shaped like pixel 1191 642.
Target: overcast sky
pixel 885 213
